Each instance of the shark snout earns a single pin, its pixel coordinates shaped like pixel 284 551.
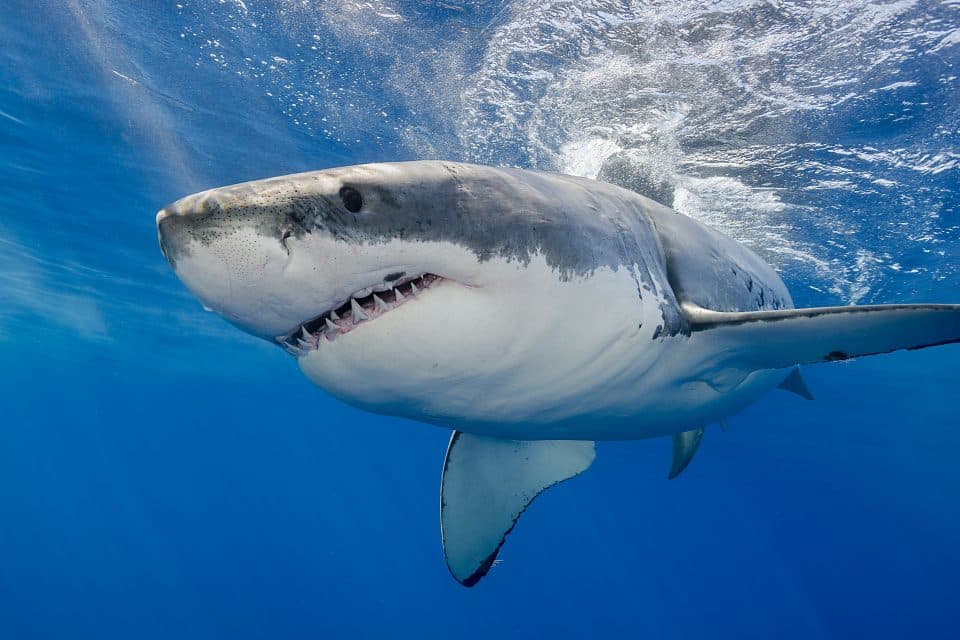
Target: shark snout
pixel 172 232
pixel 231 248
pixel 192 217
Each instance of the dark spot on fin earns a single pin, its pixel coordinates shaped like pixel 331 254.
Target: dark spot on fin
pixel 834 356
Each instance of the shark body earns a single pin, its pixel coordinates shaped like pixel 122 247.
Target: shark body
pixel 533 313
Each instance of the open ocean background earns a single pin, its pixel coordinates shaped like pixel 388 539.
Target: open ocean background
pixel 163 475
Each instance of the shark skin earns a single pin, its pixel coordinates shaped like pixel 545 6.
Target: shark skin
pixel 515 307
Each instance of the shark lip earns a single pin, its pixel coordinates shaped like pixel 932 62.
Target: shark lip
pixel 362 307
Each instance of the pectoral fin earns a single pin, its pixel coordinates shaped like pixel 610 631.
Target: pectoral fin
pixel 487 484
pixel 684 446
pixel 787 337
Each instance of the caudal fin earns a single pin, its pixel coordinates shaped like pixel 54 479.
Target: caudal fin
pixel 786 337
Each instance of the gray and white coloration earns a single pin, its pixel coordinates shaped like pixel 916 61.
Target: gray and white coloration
pixel 533 313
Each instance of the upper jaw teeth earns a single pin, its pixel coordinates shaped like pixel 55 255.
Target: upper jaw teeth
pixel 363 306
pixel 357 310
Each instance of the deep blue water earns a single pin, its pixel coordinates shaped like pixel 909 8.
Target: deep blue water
pixel 163 475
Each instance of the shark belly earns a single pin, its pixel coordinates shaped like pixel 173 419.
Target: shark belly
pixel 572 368
pixel 595 364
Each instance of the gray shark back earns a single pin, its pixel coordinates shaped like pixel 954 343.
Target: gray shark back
pixel 703 266
pixel 584 224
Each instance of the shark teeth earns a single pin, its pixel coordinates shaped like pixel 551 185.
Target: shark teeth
pixel 365 305
pixel 357 310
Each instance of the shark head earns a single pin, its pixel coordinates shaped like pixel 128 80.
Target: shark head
pixel 423 289
pixel 280 255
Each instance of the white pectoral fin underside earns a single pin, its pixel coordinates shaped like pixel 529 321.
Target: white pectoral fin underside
pixel 487 483
pixel 786 337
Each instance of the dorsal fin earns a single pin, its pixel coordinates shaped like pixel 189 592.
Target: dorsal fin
pixel 487 484
pixel 684 446
pixel 794 383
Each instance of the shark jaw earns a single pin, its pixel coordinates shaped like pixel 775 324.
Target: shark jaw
pixel 363 306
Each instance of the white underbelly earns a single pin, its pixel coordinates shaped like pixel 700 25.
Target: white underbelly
pixel 685 387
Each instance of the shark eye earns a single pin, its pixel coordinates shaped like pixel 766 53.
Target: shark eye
pixel 351 199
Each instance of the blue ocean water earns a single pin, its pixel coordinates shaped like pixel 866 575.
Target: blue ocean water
pixel 163 475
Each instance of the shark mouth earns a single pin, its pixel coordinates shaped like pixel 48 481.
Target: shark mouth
pixel 362 307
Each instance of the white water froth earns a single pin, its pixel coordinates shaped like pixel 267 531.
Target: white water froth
pixel 801 129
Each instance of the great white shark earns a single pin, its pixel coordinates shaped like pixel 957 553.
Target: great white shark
pixel 530 312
